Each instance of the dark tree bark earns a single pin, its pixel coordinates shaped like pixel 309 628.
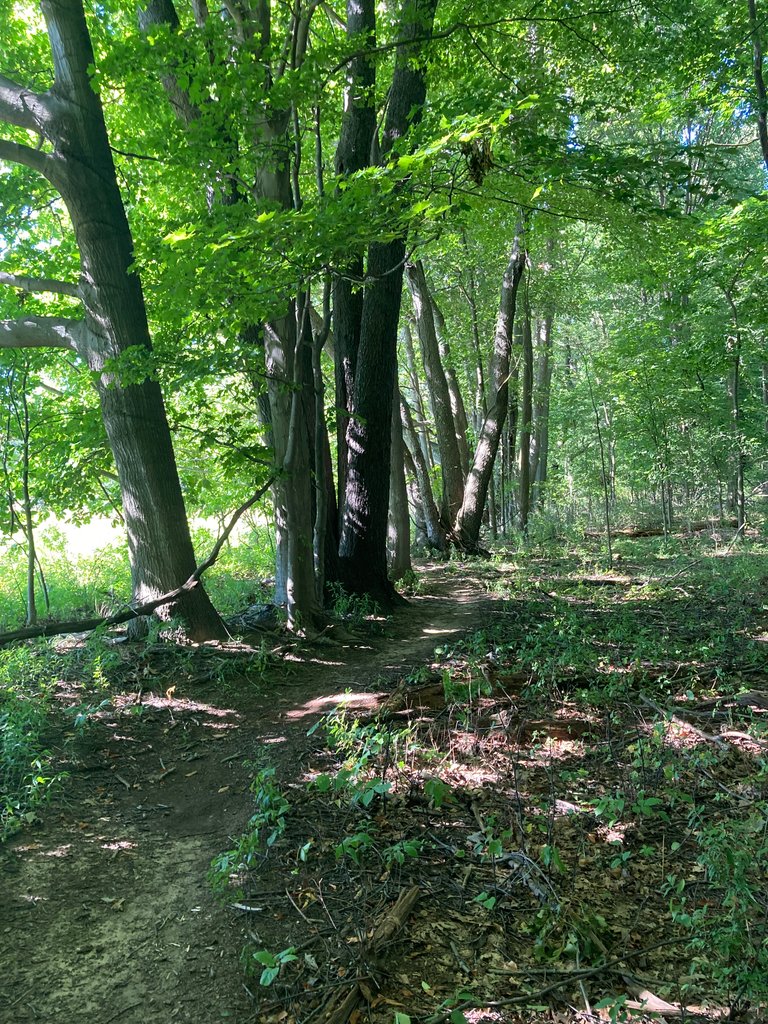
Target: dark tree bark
pixel 437 384
pixel 363 544
pixel 469 519
pixel 80 166
pixel 757 70
pixel 353 153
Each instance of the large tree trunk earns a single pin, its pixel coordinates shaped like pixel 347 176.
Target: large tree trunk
pixel 80 166
pixel 363 544
pixel 469 519
pixel 440 398
pixel 353 153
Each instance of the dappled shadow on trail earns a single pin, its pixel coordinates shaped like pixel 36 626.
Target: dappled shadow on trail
pixel 105 911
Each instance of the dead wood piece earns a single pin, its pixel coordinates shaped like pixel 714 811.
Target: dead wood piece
pixel 386 926
pixel 430 694
pixel 390 923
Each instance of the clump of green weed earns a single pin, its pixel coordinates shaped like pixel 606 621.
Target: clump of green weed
pixel 351 608
pixel 26 779
pixel 264 829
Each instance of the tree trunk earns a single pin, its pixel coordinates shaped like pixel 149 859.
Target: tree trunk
pixel 526 414
pixel 406 338
pixel 363 544
pixel 440 399
pixel 115 338
pixel 757 69
pixel 399 530
pixel 541 412
pixel 458 408
pixel 432 525
pixel 469 519
pixel 353 153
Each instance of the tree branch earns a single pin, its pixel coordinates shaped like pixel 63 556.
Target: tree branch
pixel 41 332
pixel 39 284
pixel 136 611
pixel 15 153
pixel 22 107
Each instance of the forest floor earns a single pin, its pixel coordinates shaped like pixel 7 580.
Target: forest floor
pixel 536 792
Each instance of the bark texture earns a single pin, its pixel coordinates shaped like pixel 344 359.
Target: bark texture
pixel 469 519
pixel 80 166
pixel 440 398
pixel 363 543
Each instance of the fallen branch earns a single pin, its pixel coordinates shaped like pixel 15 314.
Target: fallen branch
pixel 388 924
pixel 137 611
pixel 536 997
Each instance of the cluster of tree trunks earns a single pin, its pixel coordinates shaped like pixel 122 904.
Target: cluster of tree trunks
pixel 355 529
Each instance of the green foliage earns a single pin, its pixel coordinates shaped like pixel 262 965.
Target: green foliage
pixel 271 963
pixel 27 778
pixel 352 608
pixel 264 829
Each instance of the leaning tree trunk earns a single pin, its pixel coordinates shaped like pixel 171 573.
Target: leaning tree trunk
pixel 437 384
pixel 469 519
pixel 115 335
pixel 363 544
pixel 458 408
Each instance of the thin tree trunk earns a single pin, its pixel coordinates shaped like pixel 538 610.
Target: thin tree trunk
pixel 399 528
pixel 469 519
pixel 458 408
pixel 434 530
pixel 406 338
pixel 541 412
pixel 437 384
pixel 526 414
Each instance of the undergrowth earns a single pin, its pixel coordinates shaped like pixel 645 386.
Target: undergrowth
pixel 583 790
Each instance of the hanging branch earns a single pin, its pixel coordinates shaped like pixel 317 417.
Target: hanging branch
pixel 136 611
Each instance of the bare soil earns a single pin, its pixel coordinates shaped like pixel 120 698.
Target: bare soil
pixel 105 911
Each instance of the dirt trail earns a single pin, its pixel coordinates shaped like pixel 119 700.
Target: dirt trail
pixel 105 913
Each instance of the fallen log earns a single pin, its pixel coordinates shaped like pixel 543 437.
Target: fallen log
pixel 637 532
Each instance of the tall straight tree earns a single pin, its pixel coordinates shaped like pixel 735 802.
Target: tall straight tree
pixel 75 157
pixel 363 543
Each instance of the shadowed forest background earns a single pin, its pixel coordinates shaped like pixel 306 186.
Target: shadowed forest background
pixel 331 333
